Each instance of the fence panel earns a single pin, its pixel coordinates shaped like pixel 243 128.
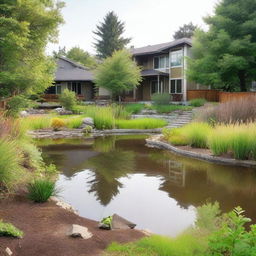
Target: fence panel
pixel 209 95
pixel 230 96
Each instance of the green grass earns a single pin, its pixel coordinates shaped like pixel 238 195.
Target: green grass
pixel 10 163
pixel 175 136
pixel 36 122
pixel 41 190
pixel 134 108
pixel 197 102
pixel 7 229
pixel 170 108
pixel 74 123
pixel 141 123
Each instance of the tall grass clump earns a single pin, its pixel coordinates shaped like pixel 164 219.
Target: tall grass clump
pixel 36 122
pixel 175 136
pixel 141 123
pixel 41 190
pixel 10 163
pixel 197 134
pixel 171 107
pixel 74 123
pixel 197 102
pixel 134 108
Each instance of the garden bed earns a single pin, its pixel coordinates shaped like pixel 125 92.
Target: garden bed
pixel 45 228
pixel 202 154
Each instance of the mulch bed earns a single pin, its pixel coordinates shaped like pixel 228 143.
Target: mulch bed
pixel 45 228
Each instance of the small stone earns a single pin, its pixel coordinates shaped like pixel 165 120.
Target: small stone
pixel 80 231
pixel 8 251
pixel 23 113
pixel 88 121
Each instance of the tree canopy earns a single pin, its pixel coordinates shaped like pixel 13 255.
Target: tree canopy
pixel 118 73
pixel 225 55
pixel 25 29
pixel 110 36
pixel 187 30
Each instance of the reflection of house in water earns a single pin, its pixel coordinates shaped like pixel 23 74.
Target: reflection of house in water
pixel 176 173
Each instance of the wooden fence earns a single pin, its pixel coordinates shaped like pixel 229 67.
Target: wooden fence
pixel 230 96
pixel 209 95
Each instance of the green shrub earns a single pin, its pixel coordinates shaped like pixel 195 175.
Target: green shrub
pixel 197 102
pixel 161 99
pixel 7 229
pixel 197 134
pixel 41 190
pixel 119 112
pixel 10 163
pixel 57 123
pixel 134 108
pixel 16 104
pixel 68 99
pixel 141 123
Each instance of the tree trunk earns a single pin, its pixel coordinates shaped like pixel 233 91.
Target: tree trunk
pixel 241 75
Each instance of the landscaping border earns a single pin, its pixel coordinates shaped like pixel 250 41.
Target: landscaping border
pixel 156 143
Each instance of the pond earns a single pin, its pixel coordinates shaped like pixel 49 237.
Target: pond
pixel 153 188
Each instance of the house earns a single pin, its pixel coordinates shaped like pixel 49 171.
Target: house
pixel 73 76
pixel 163 70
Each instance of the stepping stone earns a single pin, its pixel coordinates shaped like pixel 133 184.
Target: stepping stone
pixel 80 231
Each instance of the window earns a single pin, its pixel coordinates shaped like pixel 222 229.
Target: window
pixel 176 58
pixel 58 89
pixel 161 62
pixel 154 87
pixel 176 86
pixel 75 87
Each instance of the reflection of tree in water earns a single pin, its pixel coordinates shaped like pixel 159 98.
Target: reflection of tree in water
pixel 104 144
pixel 108 168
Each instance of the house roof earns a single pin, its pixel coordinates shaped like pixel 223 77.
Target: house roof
pixel 68 70
pixel 152 72
pixel 158 48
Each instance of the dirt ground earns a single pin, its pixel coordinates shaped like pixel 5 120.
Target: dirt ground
pixel 45 228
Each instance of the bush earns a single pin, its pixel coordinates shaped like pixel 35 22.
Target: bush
pixel 161 99
pixel 57 124
pixel 7 229
pixel 68 99
pixel 197 102
pixel 16 104
pixel 134 108
pixel 41 190
pixel 141 123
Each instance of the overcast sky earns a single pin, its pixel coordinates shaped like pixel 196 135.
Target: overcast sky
pixel 146 21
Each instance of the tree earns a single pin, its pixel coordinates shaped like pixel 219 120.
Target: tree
pixel 118 73
pixel 60 53
pixel 110 36
pixel 187 30
pixel 225 55
pixel 25 29
pixel 81 56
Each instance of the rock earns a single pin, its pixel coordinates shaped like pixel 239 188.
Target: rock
pixel 23 113
pixel 8 251
pixel 120 223
pixel 88 121
pixel 63 205
pixel 148 112
pixel 146 232
pixel 63 111
pixel 80 231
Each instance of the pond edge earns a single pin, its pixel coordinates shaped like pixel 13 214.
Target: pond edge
pixel 155 142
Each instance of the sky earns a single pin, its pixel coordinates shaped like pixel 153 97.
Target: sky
pixel 147 22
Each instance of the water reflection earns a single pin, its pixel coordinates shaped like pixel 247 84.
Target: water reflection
pixel 154 188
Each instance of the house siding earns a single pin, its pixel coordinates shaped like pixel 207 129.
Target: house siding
pixel 176 73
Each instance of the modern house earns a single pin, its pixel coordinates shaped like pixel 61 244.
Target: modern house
pixel 163 71
pixel 73 76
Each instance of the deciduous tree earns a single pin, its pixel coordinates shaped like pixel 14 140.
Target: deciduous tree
pixel 187 30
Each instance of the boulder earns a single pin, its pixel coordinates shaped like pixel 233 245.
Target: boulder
pixel 148 112
pixel 88 121
pixel 120 223
pixel 80 231
pixel 63 111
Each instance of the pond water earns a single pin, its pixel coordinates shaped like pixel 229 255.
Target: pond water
pixel 153 188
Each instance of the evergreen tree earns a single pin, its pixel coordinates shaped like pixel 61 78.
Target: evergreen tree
pixel 110 36
pixel 187 30
pixel 225 55
pixel 25 29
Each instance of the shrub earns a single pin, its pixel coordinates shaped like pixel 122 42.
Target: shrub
pixel 134 108
pixel 57 124
pixel 141 123
pixel 197 102
pixel 41 190
pixel 7 229
pixel 197 134
pixel 68 99
pixel 16 104
pixel 161 99
pixel 10 163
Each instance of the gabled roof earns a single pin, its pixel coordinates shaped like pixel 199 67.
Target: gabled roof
pixel 68 70
pixel 158 48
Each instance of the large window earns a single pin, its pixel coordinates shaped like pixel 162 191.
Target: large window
pixel 161 62
pixel 176 58
pixel 176 86
pixel 154 87
pixel 75 87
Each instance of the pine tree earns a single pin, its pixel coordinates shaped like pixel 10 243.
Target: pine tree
pixel 187 30
pixel 110 36
pixel 225 55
